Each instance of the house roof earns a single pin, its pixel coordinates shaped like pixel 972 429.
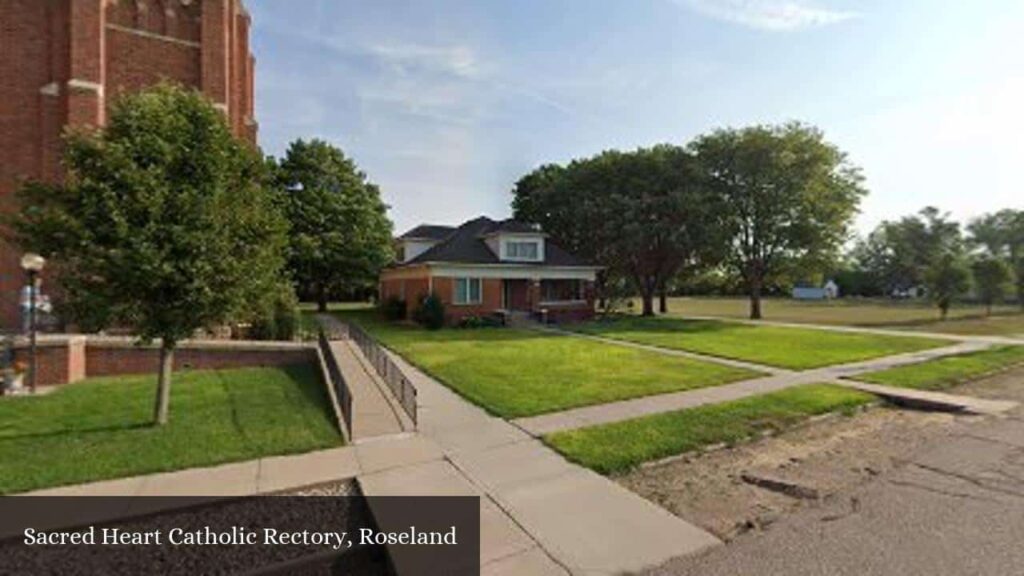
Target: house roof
pixel 466 244
pixel 429 231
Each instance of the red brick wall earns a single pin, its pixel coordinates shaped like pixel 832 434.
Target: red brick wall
pixel 408 289
pixel 44 44
pixel 491 298
pixel 74 358
pixel 105 360
pixel 151 60
pixel 58 362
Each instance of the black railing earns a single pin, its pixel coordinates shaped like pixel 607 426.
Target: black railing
pixel 386 368
pixel 337 381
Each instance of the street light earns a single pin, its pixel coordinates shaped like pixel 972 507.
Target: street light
pixel 32 264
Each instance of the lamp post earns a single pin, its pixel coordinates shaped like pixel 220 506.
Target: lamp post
pixel 32 264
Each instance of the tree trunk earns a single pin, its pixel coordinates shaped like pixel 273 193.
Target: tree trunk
pixel 647 288
pixel 321 298
pixel 648 299
pixel 163 388
pixel 988 308
pixel 943 309
pixel 663 300
pixel 755 299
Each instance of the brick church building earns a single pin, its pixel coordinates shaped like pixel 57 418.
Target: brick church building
pixel 62 62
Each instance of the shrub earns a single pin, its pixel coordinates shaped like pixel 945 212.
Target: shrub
pixel 280 319
pixel 430 312
pixel 393 308
pixel 471 322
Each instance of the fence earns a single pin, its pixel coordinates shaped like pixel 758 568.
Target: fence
pixel 386 368
pixel 337 381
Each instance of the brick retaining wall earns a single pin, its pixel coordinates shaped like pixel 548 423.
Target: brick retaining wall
pixel 64 359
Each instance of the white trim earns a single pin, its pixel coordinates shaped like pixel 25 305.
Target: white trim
pixel 515 271
pixel 520 234
pixel 154 36
pixel 51 89
pixel 78 84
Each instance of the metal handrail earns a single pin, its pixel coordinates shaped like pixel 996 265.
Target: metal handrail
pixel 387 369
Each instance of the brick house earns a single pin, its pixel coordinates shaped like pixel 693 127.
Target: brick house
pixel 486 266
pixel 62 62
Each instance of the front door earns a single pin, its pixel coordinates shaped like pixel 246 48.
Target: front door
pixel 513 295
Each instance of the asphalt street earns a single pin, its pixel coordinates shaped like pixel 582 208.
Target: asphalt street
pixel 957 508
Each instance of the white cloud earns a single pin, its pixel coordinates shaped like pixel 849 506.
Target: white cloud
pixel 457 60
pixel 773 15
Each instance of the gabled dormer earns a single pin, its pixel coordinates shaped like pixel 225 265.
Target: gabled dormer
pixel 513 241
pixel 420 239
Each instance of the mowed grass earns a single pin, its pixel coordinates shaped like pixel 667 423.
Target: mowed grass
pixel 102 428
pixel 864 312
pixel 950 371
pixel 515 373
pixel 783 347
pixel 621 446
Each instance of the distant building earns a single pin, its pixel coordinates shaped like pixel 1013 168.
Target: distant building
pixel 828 291
pixel 63 62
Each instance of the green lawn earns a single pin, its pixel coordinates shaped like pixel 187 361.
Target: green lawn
pixel 947 372
pixel 917 315
pixel 101 429
pixel 618 447
pixel 515 373
pixel 784 347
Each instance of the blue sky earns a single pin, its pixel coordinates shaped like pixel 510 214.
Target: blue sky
pixel 445 104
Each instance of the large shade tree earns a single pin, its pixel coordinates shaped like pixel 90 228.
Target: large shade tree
pixel 643 215
pixel 899 253
pixel 340 231
pixel 1001 234
pixel 162 226
pixel 788 197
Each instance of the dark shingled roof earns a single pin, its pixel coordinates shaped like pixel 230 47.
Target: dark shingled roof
pixel 466 244
pixel 429 231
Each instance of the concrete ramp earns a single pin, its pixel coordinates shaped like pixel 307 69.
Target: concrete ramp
pixel 930 400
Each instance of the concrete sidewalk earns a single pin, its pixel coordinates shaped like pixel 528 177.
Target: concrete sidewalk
pixel 249 478
pixel 1011 340
pixel 539 513
pixel 779 380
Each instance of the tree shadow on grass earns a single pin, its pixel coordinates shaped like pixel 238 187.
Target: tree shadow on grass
pixel 658 325
pixel 310 387
pixel 79 431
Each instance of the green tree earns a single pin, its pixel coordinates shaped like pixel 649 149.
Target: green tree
pixel 644 215
pixel 898 253
pixel 991 275
pixel 340 233
pixel 789 199
pixel 1001 234
pixel 947 278
pixel 163 225
pixel 560 200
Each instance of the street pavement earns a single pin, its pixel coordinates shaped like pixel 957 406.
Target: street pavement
pixel 957 508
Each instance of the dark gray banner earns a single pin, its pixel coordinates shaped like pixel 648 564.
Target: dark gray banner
pixel 266 535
